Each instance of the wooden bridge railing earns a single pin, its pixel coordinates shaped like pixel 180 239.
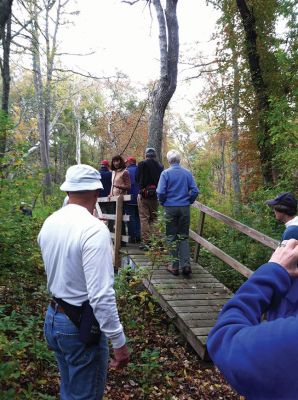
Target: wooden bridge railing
pixel 200 241
pixel 118 217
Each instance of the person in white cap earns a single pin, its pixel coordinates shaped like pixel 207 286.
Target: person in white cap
pixel 77 254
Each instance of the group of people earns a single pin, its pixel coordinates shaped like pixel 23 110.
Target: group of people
pixel 150 185
pixel 77 253
pixel 258 359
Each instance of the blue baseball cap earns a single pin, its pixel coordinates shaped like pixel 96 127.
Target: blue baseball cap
pixel 285 199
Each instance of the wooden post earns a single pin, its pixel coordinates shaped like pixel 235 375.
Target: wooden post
pixel 199 232
pixel 118 229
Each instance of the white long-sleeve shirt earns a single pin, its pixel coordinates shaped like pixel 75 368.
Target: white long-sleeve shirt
pixel 77 254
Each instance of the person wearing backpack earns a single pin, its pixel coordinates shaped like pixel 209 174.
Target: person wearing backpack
pixel 147 177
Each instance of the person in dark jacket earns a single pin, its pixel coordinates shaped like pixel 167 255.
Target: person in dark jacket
pixel 106 180
pixel 131 207
pixel 147 177
pixel 259 358
pixel 285 210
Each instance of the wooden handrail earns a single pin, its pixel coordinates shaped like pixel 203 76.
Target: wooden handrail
pixel 260 237
pixel 118 218
pixel 221 254
pixel 254 234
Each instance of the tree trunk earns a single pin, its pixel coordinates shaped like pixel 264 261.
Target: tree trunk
pixel 235 123
pixel 5 14
pixel 235 134
pixel 5 37
pixel 78 141
pixel 39 92
pixel 260 88
pixel 166 86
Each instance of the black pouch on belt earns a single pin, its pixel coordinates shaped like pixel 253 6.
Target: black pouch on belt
pixel 89 327
pixel 84 319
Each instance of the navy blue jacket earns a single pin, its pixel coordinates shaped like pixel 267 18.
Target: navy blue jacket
pixel 134 186
pixel 289 304
pixel 106 180
pixel 176 187
pixel 259 359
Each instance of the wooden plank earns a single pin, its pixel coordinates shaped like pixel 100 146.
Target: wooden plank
pixel 221 255
pixel 124 238
pixel 201 323
pixel 260 237
pixel 202 308
pixel 118 228
pixel 219 291
pixel 199 316
pixel 174 286
pixel 200 233
pixel 112 217
pixel 179 279
pixel 201 331
pixel 193 296
pixel 192 339
pixel 197 302
pixel 126 197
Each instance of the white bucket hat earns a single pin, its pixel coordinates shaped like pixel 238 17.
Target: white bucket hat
pixel 81 177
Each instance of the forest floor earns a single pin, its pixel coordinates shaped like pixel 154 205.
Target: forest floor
pixel 163 366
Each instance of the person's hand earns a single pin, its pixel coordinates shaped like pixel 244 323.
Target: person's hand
pixel 286 255
pixel 121 358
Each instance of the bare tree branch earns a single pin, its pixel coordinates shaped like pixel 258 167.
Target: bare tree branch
pixel 88 75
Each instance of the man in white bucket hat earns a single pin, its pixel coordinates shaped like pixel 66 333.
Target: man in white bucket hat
pixel 82 315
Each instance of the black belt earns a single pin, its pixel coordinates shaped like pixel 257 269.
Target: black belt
pixel 56 306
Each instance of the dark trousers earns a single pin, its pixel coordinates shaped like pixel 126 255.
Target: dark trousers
pixel 108 208
pixel 177 232
pixel 134 228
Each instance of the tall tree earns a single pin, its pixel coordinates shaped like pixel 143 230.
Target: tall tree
pixel 166 85
pixel 45 23
pixel 260 87
pixel 5 39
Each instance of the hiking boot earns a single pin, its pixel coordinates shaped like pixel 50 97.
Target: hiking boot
pixel 186 271
pixel 172 270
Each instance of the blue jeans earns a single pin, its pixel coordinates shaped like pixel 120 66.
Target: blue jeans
pixel 83 370
pixel 177 232
pixel 134 227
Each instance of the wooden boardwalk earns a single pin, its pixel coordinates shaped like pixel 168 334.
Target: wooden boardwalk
pixel 192 303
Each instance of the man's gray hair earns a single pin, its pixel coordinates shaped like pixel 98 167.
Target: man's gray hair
pixel 173 157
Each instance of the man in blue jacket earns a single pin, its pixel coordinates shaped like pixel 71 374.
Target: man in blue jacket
pixel 176 190
pixel 285 210
pixel 259 359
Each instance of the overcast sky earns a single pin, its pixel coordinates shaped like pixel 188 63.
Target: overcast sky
pixel 124 37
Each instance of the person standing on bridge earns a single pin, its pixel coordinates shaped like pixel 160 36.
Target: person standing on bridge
pixel 285 210
pixel 82 315
pixel 106 180
pixel 259 359
pixel 176 190
pixel 131 207
pixel 147 178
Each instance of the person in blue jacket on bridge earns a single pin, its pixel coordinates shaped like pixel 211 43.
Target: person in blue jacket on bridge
pixel 176 190
pixel 259 358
